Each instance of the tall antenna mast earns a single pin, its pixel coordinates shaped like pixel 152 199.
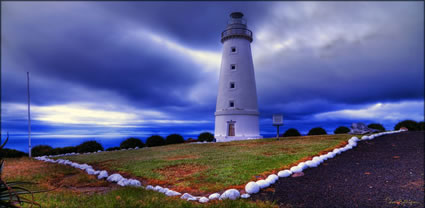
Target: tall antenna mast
pixel 29 115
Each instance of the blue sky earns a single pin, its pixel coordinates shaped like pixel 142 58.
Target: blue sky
pixel 118 69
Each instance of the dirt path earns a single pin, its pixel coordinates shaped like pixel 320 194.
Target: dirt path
pixel 385 172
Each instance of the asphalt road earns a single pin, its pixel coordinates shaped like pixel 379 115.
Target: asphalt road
pixel 385 172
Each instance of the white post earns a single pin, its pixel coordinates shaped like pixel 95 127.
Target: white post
pixel 29 116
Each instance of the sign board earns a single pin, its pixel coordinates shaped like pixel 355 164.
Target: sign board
pixel 277 119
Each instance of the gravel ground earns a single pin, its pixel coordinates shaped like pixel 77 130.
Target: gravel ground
pixel 385 172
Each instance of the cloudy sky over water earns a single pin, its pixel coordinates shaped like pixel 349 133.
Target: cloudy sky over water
pixel 117 69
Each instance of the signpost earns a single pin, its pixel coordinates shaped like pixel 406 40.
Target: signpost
pixel 277 121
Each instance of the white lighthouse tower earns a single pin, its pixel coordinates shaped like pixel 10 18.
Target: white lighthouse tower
pixel 236 115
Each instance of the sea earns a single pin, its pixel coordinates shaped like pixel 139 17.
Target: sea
pixel 21 142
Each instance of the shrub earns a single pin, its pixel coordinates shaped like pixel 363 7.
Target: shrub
pixel 409 124
pixel 10 153
pixel 317 131
pixel 341 130
pixel 174 139
pixel 113 148
pixel 131 143
pixel 291 132
pixel 421 125
pixel 206 136
pixel 155 140
pixel 89 146
pixel 41 150
pixel 376 126
pixel 64 150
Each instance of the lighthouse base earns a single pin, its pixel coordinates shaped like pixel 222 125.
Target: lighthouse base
pixel 232 127
pixel 235 138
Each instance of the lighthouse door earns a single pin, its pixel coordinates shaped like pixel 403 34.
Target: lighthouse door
pixel 231 131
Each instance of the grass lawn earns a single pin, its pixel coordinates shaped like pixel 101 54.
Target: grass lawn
pixel 74 188
pixel 208 168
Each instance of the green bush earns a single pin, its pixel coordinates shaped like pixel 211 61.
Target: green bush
pixel 409 124
pixel 317 131
pixel 291 132
pixel 41 150
pixel 206 136
pixel 10 153
pixel 376 126
pixel 174 139
pixel 113 148
pixel 341 130
pixel 64 150
pixel 131 143
pixel 89 146
pixel 155 140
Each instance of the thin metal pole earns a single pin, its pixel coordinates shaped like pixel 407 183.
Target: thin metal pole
pixel 29 115
pixel 277 126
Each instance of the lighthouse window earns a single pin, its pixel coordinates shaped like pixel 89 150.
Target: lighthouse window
pixel 233 49
pixel 233 66
pixel 232 85
pixel 231 104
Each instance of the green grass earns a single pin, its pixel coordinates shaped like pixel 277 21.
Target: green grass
pixel 207 168
pixel 131 197
pixel 72 184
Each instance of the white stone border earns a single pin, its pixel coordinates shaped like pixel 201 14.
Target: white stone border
pixel 232 194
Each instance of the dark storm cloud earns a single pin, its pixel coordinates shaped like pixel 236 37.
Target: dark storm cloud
pixel 161 58
pixel 94 53
pixel 341 53
pixel 198 24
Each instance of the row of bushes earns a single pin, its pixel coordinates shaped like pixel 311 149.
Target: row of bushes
pixel 156 140
pixel 88 146
pixel 10 153
pixel 94 146
pixel 409 124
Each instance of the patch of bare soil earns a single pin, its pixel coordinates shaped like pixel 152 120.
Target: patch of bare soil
pixel 182 170
pixel 182 157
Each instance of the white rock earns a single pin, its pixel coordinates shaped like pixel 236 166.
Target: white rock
pixel 203 200
pixel 163 190
pixel 311 164
pixel 114 177
pixel 231 194
pixel 172 193
pixel 149 187
pixel 90 171
pixel 193 199
pixel 134 183
pixel 302 165
pixel 186 196
pixel 157 188
pixel 123 182
pixel 102 174
pixel 262 184
pixel 296 169
pixel 273 177
pixel 214 196
pixel 252 188
pixel 245 196
pixel 284 173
